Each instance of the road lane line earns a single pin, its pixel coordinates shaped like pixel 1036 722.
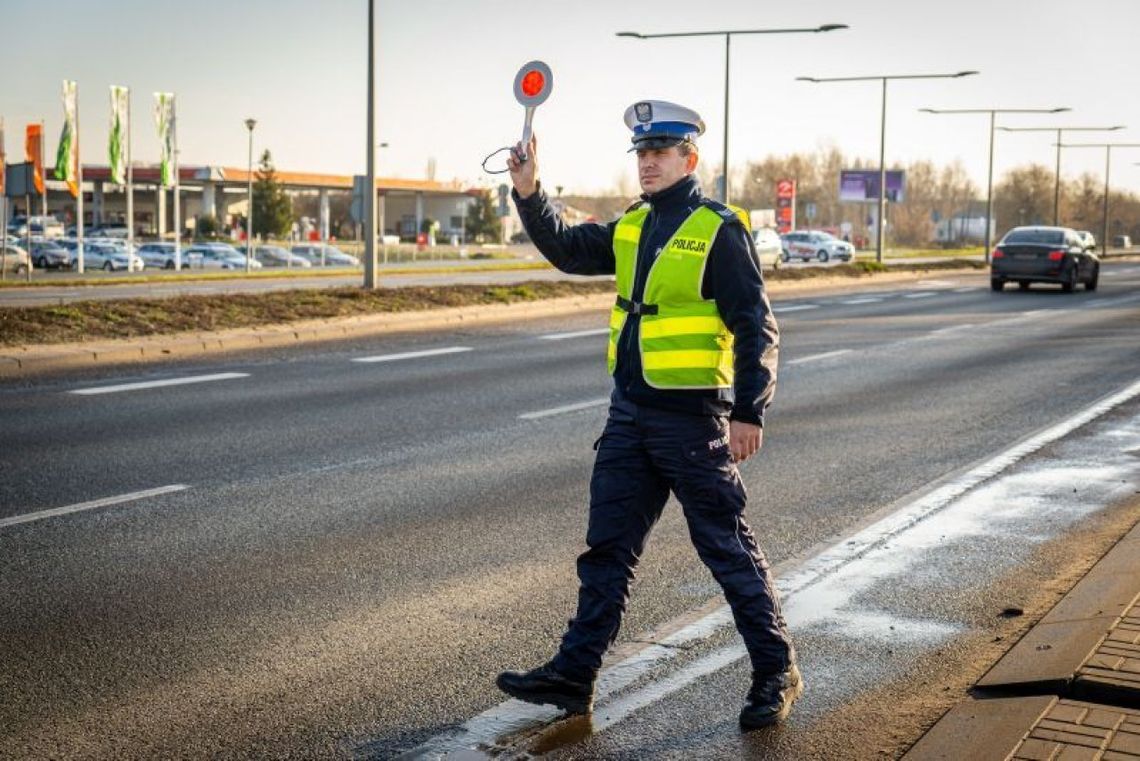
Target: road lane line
pixel 868 300
pixel 965 290
pixel 413 354
pixel 1112 302
pixel 157 384
pixel 952 329
pixel 575 334
pixel 814 357
pixel 565 408
pixel 55 511
pixel 512 717
pixel 919 295
pixel 795 308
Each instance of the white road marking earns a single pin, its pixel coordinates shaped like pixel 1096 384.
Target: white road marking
pixel 952 329
pixel 566 408
pixel 158 384
pixel 919 295
pixel 1112 302
pixel 513 717
pixel 575 334
pixel 814 357
pixel 965 290
pixel 55 511
pixel 795 307
pixel 413 354
pixel 935 283
pixel 868 300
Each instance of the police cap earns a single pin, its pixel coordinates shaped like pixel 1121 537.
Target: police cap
pixel 661 124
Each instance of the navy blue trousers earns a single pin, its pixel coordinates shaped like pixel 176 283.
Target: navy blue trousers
pixel 644 454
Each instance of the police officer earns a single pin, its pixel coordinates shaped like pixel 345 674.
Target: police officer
pixel 692 349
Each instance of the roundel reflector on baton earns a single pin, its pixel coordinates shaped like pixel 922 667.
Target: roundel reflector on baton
pixel 533 84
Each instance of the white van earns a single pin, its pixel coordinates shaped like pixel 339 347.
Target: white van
pixel 767 247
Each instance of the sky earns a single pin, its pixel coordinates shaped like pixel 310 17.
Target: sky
pixel 445 69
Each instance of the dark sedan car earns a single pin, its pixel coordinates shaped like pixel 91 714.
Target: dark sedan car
pixel 1044 255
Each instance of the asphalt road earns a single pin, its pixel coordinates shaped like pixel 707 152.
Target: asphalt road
pixel 351 550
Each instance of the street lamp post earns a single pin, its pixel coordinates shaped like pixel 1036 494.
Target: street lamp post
pixel 249 125
pixel 371 275
pixel 880 223
pixel 993 112
pixel 727 42
pixel 1107 165
pixel 1060 138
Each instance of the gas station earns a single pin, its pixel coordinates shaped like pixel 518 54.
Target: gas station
pixel 221 192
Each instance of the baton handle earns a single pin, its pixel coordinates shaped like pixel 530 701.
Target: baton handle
pixel 526 133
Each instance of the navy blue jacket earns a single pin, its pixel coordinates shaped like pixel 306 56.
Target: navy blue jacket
pixel 732 278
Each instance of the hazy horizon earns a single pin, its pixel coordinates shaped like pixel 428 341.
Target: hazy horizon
pixel 444 73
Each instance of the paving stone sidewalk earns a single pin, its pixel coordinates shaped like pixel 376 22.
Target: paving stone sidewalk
pixel 1069 689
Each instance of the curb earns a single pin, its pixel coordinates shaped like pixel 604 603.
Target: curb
pixel 1074 647
pixel 31 360
pixel 1078 670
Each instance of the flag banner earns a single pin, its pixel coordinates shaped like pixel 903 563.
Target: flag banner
pixel 67 157
pixel 164 121
pixel 3 162
pixel 117 147
pixel 33 152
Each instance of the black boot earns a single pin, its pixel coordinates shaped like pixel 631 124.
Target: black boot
pixel 544 685
pixel 771 697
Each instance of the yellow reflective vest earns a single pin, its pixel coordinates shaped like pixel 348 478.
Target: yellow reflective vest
pixel 684 343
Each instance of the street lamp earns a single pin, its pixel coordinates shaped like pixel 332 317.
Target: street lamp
pixel 1057 179
pixel 880 223
pixel 249 125
pixel 371 275
pixel 1107 164
pixel 727 39
pixel 990 177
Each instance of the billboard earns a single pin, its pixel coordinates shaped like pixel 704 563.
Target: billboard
pixel 863 185
pixel 785 206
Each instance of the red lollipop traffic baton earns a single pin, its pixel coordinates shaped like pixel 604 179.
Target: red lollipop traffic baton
pixel 533 84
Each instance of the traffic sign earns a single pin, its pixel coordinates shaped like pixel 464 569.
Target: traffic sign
pixel 504 192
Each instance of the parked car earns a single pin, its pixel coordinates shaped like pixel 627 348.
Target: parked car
pixel 768 247
pixel 808 244
pixel 15 259
pixel 106 256
pixel 35 227
pixel 108 231
pixel 47 253
pixel 332 256
pixel 1040 254
pixel 160 255
pixel 276 256
pixel 220 256
pixel 1088 240
pixel 1122 241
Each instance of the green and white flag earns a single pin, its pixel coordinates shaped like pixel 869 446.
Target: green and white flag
pixel 164 120
pixel 67 157
pixel 117 148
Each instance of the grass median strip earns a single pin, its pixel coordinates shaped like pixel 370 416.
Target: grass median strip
pixel 140 317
